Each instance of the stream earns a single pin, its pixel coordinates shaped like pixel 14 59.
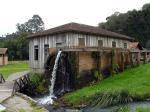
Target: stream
pixel 132 107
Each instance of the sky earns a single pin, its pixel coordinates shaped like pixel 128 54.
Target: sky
pixel 59 12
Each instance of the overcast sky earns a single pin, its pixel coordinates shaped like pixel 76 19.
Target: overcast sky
pixel 58 12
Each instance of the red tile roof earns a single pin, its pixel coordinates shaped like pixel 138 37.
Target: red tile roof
pixel 80 28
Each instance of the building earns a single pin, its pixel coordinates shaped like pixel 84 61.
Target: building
pixel 3 56
pixel 70 37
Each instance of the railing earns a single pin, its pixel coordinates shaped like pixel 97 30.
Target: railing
pixel 21 83
pixel 2 80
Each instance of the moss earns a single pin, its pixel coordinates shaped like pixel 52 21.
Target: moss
pixel 21 110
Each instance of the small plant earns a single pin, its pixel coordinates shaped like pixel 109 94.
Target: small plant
pixel 36 78
pixel 39 82
pixel 122 109
pixel 112 98
pixel 21 110
pixel 98 75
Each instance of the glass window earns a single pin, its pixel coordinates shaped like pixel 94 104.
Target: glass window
pixel 46 51
pixel 125 45
pixel 113 44
pixel 81 41
pixel 100 43
pixel 36 52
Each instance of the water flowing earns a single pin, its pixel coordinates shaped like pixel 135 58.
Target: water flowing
pixel 49 99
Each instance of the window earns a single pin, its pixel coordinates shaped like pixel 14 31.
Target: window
pixel 46 51
pixel 36 52
pixel 58 44
pixel 100 43
pixel 125 45
pixel 81 41
pixel 113 44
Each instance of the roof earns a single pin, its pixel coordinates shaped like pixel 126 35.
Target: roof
pixel 3 50
pixel 135 45
pixel 80 28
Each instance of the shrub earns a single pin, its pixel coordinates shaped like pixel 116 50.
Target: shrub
pixel 98 75
pixel 36 78
pixel 39 82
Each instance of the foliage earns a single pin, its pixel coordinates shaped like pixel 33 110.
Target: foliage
pixel 35 107
pixel 135 81
pixel 33 25
pixel 122 109
pixel 36 78
pixel 17 43
pixel 96 56
pixel 21 110
pixel 13 67
pixel 134 23
pixel 98 75
pixel 39 82
pixel 111 98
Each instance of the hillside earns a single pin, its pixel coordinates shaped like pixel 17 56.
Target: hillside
pixel 133 80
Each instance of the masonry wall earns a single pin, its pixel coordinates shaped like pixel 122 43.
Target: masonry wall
pixel 86 62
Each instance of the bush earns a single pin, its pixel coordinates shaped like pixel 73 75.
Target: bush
pixel 39 82
pixel 36 78
pixel 98 75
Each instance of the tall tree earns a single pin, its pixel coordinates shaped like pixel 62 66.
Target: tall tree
pixel 135 23
pixel 33 25
pixel 17 42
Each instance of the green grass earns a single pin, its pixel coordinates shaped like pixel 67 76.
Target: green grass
pixel 135 80
pixel 13 67
pixel 142 109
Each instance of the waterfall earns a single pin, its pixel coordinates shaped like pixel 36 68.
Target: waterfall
pixel 53 79
pixel 49 99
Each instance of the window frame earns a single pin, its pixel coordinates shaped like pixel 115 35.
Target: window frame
pixel 100 43
pixel 36 52
pixel 80 43
pixel 125 45
pixel 46 51
pixel 114 44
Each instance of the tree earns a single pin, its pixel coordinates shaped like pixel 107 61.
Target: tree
pixel 33 25
pixel 134 23
pixel 17 43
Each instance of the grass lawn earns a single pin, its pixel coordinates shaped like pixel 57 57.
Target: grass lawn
pixel 135 80
pixel 13 67
pixel 142 109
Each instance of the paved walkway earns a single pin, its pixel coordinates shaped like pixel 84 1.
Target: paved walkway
pixel 6 88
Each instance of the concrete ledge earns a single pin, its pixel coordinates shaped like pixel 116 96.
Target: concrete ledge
pixel 30 100
pixel 2 108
